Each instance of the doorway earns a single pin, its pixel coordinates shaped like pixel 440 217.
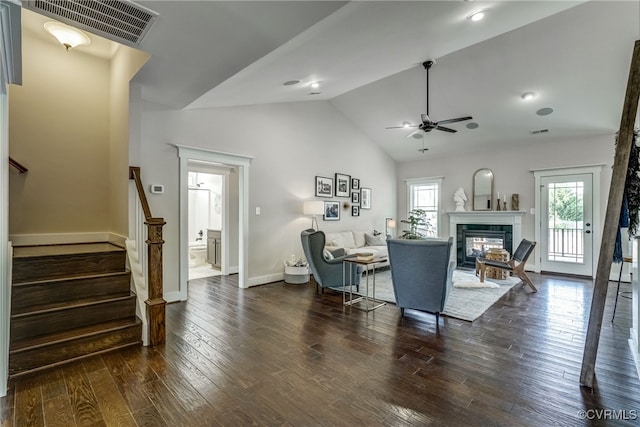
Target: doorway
pixel 568 226
pixel 207 203
pixel 235 225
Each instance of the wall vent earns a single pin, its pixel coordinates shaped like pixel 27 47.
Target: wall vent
pixel 121 21
pixel 539 131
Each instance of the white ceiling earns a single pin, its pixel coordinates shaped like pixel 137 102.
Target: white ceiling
pixel 575 56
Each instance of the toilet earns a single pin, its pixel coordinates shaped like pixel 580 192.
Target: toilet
pixel 197 254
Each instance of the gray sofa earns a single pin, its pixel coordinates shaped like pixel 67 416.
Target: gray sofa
pixel 421 273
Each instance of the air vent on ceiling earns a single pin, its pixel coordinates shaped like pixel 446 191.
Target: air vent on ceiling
pixel 536 132
pixel 119 20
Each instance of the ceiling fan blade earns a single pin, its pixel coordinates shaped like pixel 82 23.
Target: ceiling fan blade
pixel 459 119
pixel 401 127
pixel 445 129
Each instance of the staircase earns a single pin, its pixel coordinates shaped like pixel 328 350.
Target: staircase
pixel 69 302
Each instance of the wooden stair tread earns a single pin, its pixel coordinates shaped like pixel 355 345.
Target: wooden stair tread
pixel 67 279
pixel 70 249
pixel 48 308
pixel 57 337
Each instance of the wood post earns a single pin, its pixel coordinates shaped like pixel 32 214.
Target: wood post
pixel 155 302
pixel 614 203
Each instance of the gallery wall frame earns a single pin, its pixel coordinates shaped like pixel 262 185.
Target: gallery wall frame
pixel 365 198
pixel 342 184
pixel 324 186
pixel 355 197
pixel 331 211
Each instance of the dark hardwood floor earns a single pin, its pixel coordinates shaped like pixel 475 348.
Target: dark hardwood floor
pixel 283 355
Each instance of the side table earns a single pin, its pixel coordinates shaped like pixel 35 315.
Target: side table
pixel 497 255
pixel 347 267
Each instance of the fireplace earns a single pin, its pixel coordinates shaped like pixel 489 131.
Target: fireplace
pixel 475 240
pixel 484 220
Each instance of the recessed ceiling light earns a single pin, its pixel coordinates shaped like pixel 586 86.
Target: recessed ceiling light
pixel 417 135
pixel 472 125
pixel 291 82
pixel 528 96
pixel 315 85
pixel 477 16
pixel 406 124
pixel 544 111
pixel 315 93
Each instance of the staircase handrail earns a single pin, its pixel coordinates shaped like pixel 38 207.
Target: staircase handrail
pixel 155 302
pixel 19 166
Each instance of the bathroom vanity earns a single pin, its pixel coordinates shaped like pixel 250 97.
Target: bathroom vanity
pixel 214 247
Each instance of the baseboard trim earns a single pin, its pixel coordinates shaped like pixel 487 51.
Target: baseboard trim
pixel 176 296
pixel 263 280
pixel 60 238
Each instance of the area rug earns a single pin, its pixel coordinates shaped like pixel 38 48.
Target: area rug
pixel 468 298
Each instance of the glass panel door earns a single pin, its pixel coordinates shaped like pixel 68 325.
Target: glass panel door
pixel 566 229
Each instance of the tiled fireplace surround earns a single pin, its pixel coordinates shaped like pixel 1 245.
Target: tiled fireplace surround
pixel 488 218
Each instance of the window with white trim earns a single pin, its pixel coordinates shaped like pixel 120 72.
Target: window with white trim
pixel 424 193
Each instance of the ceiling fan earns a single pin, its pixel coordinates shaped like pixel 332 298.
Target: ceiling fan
pixel 427 124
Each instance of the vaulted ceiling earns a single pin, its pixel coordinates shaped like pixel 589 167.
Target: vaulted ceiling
pixel 367 57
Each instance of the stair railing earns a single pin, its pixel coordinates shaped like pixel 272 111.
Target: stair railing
pixel 147 265
pixel 19 166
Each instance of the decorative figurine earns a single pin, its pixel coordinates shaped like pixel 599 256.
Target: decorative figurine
pixel 459 197
pixel 515 202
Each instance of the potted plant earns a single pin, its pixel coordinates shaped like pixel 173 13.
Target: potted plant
pixel 416 219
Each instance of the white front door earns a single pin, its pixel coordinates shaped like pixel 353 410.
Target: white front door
pixel 566 224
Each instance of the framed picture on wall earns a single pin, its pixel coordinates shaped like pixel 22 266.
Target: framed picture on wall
pixel 355 197
pixel 332 211
pixel 355 184
pixel 365 198
pixel 324 186
pixel 355 210
pixel 342 185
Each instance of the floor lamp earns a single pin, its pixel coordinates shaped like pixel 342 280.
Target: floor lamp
pixel 313 208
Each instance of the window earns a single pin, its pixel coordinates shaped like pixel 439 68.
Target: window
pixel 424 193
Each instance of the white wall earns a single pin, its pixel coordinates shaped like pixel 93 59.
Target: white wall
pixel 291 144
pixel 512 173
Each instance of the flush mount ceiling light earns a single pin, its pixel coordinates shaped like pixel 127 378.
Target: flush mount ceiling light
pixel 476 16
pixel 528 96
pixel 68 36
pixel 315 85
pixel 406 125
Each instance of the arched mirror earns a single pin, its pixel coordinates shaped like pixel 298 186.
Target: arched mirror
pixel 482 190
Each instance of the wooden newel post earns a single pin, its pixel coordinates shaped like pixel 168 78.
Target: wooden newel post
pixel 155 302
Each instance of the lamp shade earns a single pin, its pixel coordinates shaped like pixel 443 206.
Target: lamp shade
pixel 68 36
pixel 313 207
pixel 391 223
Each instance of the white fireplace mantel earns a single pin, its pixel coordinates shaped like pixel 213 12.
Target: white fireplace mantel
pixel 512 218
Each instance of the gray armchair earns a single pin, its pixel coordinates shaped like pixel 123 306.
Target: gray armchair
pixel 326 272
pixel 421 273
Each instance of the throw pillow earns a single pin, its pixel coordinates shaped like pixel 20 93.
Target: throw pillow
pixel 371 240
pixel 328 256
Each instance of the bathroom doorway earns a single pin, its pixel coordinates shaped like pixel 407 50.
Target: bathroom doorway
pixel 206 196
pixel 235 214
